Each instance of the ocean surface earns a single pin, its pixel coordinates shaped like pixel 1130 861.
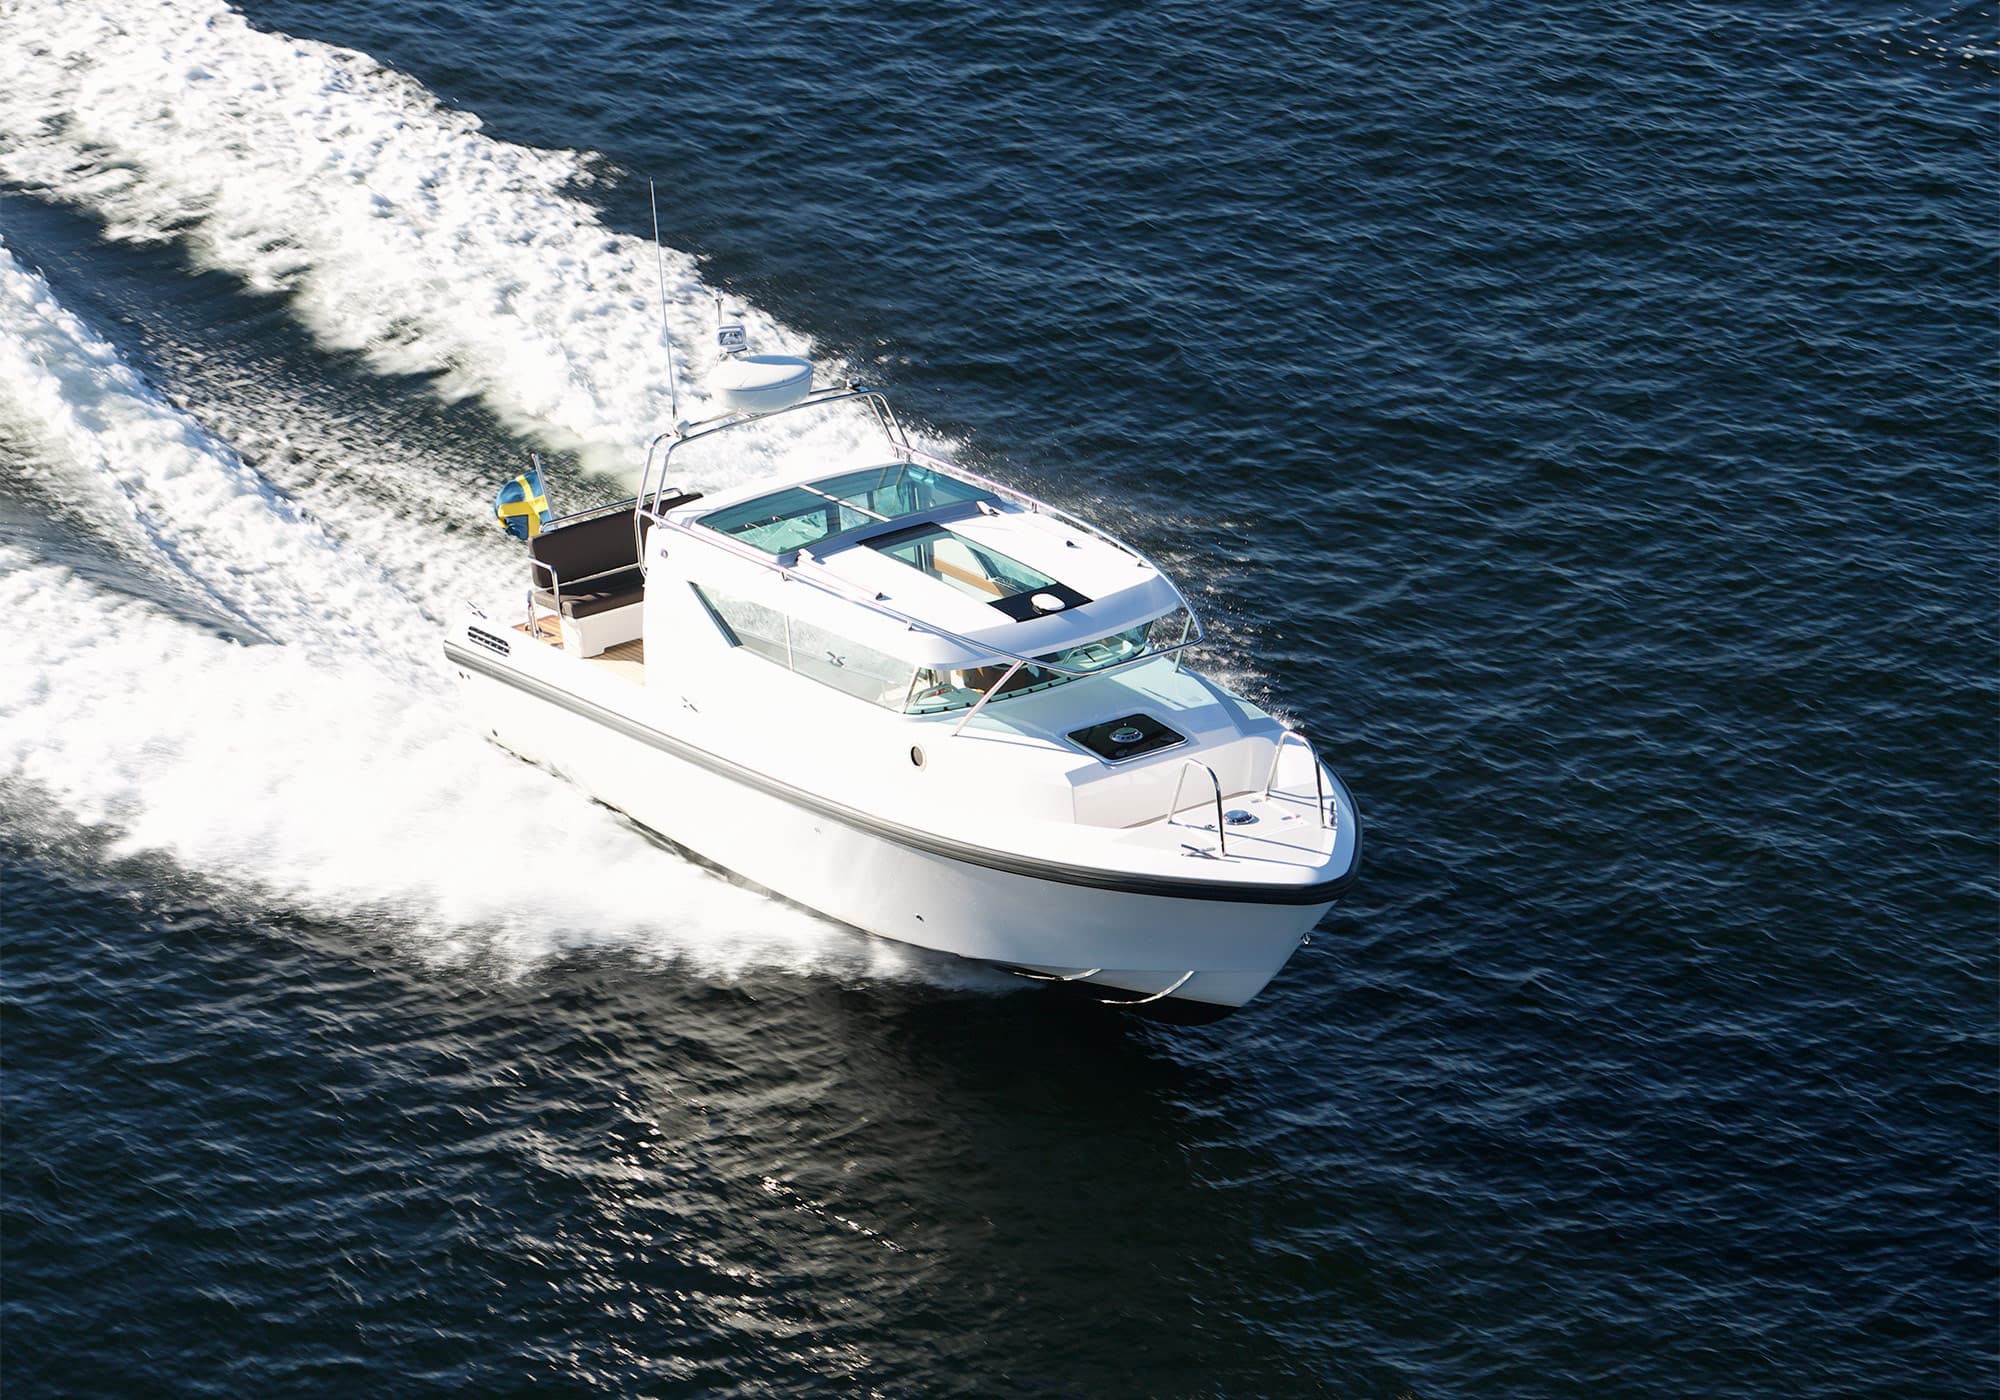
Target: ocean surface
pixel 1582 419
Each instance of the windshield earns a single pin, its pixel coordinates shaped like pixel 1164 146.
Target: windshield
pixel 957 690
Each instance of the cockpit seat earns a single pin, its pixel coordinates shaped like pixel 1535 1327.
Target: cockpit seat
pixel 587 572
pixel 599 595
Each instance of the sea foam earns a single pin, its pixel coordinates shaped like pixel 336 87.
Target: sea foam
pixel 322 767
pixel 394 224
pixel 291 729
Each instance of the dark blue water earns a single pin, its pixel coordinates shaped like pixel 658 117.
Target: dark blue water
pixel 1581 419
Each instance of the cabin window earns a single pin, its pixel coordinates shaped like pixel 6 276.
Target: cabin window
pixel 846 664
pixel 897 490
pixel 809 650
pixel 799 516
pixel 749 625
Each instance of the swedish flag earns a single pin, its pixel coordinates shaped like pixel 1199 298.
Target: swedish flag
pixel 523 505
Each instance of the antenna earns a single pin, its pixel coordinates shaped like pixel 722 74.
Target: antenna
pixel 730 337
pixel 660 266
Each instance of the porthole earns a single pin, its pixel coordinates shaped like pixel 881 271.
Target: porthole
pixel 916 755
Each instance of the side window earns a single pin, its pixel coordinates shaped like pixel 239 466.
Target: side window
pixel 809 650
pixel 845 664
pixel 751 626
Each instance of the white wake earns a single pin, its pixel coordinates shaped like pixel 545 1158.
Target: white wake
pixel 396 227
pixel 325 769
pixel 317 758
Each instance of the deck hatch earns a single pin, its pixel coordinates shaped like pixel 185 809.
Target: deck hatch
pixel 1127 737
pixel 1023 607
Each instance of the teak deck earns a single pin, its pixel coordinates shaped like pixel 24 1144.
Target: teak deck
pixel 547 630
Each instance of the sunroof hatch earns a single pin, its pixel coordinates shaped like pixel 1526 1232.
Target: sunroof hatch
pixel 977 570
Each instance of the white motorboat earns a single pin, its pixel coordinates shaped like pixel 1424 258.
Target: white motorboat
pixel 922 703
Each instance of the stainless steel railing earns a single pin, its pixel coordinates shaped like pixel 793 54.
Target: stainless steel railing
pixel 556 586
pixel 1319 776
pixel 1215 783
pixel 681 434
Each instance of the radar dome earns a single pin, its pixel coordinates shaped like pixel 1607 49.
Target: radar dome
pixel 760 383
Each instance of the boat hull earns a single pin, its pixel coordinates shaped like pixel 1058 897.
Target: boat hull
pixel 1187 950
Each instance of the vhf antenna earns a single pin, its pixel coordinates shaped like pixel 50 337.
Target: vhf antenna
pixel 666 335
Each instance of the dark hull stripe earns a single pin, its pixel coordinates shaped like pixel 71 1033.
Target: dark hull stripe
pixel 1162 886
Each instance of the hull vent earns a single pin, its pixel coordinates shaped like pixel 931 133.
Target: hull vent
pixel 489 641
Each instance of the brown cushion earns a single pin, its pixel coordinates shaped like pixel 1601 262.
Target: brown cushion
pixel 595 562
pixel 599 595
pixel 587 547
